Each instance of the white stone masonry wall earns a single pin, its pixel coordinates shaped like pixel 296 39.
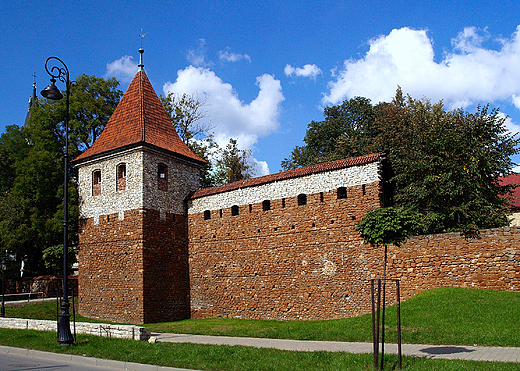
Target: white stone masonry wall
pixel 98 329
pixel 309 184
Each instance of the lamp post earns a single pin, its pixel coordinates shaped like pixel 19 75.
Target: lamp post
pixel 4 268
pixel 52 92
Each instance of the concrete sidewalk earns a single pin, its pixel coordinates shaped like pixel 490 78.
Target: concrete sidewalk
pixel 470 353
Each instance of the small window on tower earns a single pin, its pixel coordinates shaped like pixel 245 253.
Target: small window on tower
pixel 266 205
pixel 162 177
pixel 234 210
pixel 302 199
pixel 96 183
pixel 121 177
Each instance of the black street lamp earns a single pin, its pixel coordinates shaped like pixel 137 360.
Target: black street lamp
pixel 4 268
pixel 52 92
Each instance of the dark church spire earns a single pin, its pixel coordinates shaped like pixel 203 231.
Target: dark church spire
pixel 32 102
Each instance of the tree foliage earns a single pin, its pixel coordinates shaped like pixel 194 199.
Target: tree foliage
pixel 234 162
pixel 445 164
pixel 32 165
pixel 224 165
pixel 388 226
pixel 187 114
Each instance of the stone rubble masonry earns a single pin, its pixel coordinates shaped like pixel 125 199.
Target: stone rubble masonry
pixel 98 329
pixel 141 190
pixel 307 262
pixel 135 269
pixel 313 183
pixel 489 259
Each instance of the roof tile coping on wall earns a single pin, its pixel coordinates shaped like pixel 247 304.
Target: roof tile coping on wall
pixel 289 174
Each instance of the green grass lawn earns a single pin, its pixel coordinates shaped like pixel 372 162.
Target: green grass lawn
pixel 442 316
pixel 229 358
pixel 452 316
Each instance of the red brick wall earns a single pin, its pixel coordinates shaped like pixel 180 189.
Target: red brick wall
pixel 166 282
pixel 487 260
pixel 297 262
pixel 307 262
pixel 133 270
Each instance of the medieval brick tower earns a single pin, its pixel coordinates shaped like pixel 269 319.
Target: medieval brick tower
pixel 133 181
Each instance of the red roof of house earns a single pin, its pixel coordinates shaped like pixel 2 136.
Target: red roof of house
pixel 515 193
pixel 295 173
pixel 139 118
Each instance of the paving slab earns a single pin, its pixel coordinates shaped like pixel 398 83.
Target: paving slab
pixel 470 353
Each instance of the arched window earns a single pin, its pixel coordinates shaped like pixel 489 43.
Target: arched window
pixel 302 199
pixel 96 183
pixel 162 177
pixel 207 214
pixel 342 192
pixel 121 177
pixel 266 205
pixel 234 210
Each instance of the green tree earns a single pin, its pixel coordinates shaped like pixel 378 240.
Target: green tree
pixel 187 113
pixel 346 131
pixel 32 165
pixel 234 162
pixel 445 164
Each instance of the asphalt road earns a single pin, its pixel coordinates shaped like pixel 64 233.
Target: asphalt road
pixel 15 362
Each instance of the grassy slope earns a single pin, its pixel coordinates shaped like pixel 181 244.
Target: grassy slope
pixel 441 316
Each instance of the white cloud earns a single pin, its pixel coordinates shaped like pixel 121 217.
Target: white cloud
pixel 123 69
pixel 260 167
pixel 230 117
pixel 509 124
pixel 198 57
pixel 228 56
pixel 468 74
pixel 309 70
pixel 516 100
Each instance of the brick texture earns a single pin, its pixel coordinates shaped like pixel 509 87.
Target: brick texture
pixel 135 269
pixel 292 262
pixel 307 262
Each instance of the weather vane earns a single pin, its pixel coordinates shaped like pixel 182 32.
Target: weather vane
pixel 142 35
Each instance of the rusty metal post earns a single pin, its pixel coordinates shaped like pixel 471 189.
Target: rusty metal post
pixel 378 315
pixel 375 340
pixel 399 349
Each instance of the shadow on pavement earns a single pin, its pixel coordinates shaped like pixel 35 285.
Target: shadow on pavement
pixel 446 350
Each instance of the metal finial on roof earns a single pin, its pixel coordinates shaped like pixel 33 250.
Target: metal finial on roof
pixel 141 51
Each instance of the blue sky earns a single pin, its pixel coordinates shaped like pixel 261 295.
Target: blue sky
pixel 267 68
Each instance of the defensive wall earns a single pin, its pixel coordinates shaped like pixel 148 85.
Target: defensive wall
pixel 282 258
pixel 284 248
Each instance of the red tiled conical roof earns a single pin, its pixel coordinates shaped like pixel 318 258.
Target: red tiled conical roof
pixel 139 118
